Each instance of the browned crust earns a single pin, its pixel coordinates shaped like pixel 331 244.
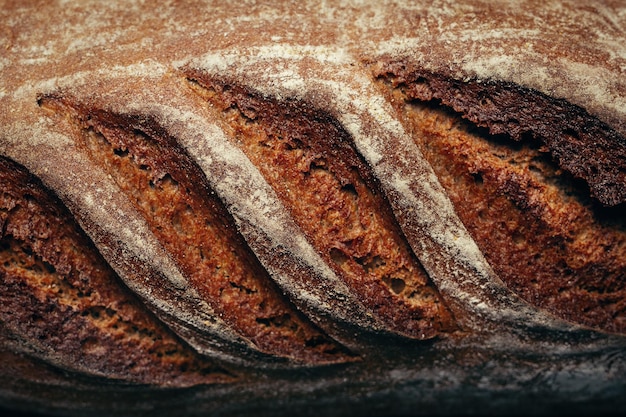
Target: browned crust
pixel 309 160
pixel 538 226
pixel 59 296
pixel 579 142
pixel 173 195
pixel 568 49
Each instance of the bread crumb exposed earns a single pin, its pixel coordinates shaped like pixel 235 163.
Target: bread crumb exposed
pixel 308 159
pixel 58 292
pixel 538 227
pixel 184 214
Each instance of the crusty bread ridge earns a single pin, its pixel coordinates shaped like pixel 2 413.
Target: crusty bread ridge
pixel 343 208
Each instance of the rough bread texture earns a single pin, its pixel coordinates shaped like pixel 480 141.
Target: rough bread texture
pixel 538 226
pixel 61 301
pixel 333 197
pixel 338 208
pixel 195 229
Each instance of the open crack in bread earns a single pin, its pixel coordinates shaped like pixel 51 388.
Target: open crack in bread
pixel 331 208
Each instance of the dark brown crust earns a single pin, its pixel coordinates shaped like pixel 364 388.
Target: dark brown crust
pixel 510 356
pixel 309 160
pixel 537 226
pixel 580 143
pixel 174 197
pixel 69 307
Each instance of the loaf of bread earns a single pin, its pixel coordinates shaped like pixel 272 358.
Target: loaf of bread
pixel 313 208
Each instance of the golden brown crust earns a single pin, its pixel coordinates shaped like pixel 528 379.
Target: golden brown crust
pixel 169 190
pixel 579 143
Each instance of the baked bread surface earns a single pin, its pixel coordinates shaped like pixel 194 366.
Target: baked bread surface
pixel 313 207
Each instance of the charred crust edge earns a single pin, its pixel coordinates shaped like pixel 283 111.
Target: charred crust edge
pixel 579 142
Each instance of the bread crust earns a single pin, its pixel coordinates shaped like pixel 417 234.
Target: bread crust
pixel 373 84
